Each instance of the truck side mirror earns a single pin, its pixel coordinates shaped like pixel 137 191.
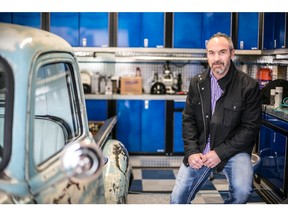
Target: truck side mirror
pixel 82 162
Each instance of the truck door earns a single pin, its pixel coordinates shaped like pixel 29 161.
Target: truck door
pixel 58 121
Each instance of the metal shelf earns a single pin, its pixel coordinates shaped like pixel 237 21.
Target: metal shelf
pixel 127 52
pixel 116 54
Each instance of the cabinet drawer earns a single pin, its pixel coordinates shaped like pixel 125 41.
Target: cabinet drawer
pixel 179 104
pixel 277 122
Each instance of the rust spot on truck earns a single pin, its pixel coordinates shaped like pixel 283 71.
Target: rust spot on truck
pixel 118 150
pixel 66 194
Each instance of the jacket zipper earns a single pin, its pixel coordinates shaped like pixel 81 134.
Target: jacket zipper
pixel 203 115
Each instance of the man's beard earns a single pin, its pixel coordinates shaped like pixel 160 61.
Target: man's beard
pixel 218 70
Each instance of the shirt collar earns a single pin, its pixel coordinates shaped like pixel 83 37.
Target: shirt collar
pixel 212 75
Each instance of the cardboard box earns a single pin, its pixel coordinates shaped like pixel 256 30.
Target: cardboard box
pixel 131 85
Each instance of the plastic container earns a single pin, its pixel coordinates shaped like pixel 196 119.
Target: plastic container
pixel 102 85
pixel 115 84
pixel 264 76
pixel 138 72
pixel 278 96
pixel 108 87
pixel 272 96
pixel 95 83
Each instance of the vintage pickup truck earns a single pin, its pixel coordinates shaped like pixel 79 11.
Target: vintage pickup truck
pixel 47 153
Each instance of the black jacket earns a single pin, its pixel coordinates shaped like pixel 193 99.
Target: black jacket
pixel 235 124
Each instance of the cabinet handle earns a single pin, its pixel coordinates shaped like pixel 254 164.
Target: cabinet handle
pixel 146 104
pixel 274 137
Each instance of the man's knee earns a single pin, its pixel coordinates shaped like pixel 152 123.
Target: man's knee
pixel 242 193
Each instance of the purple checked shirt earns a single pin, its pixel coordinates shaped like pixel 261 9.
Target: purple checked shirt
pixel 216 93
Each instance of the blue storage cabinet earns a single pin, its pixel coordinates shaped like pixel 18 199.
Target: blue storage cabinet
pixel 191 30
pixel 272 149
pixel 32 19
pixel 128 127
pixel 178 144
pixel 94 27
pixel 248 27
pixel 97 110
pixel 274 30
pixel 153 126
pixel 280 23
pixel 141 125
pixel 6 17
pixel 268 37
pixel 134 27
pixel 215 22
pixel 187 30
pixel 66 25
pixel 28 19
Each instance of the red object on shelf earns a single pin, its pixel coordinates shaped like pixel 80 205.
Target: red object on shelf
pixel 264 75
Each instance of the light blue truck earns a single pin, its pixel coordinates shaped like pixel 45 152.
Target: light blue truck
pixel 47 153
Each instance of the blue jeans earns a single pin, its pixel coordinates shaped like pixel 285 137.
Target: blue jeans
pixel 239 174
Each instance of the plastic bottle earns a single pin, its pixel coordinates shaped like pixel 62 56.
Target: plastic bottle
pixel 138 72
pixel 272 97
pixel 179 82
pixel 244 68
pixel 102 85
pixel 108 88
pixel 278 96
pixel 115 84
pixel 156 77
pixel 95 83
